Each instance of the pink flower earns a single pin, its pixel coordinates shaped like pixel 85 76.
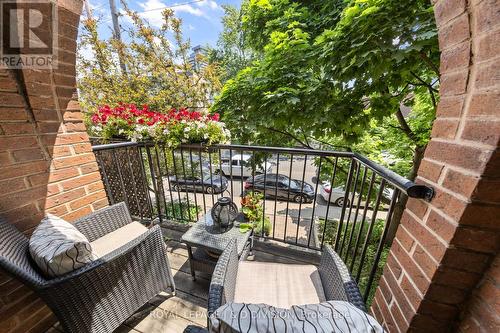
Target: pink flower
pixel 95 118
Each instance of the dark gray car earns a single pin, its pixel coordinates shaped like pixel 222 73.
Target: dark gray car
pixel 281 187
pixel 211 184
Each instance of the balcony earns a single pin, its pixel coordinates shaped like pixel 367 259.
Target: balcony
pixel 442 271
pixel 312 198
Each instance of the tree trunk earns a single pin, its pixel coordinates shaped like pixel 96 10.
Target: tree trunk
pixel 403 198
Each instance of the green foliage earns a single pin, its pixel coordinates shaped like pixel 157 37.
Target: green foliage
pixel 263 226
pixel 182 211
pixel 337 72
pixel 177 133
pixel 233 52
pixel 253 210
pixel 383 142
pixel 259 228
pixel 158 71
pixel 348 231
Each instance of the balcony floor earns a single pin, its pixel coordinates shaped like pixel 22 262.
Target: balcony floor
pixel 166 313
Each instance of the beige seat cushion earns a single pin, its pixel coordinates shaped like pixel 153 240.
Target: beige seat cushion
pixel 115 239
pixel 279 285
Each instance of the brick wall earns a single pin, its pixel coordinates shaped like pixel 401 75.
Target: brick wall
pixel 483 310
pixel 439 274
pixel 46 162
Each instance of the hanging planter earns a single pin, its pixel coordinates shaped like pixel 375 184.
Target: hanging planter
pixel 173 128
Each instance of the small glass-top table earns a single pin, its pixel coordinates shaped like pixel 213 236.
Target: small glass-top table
pixel 205 243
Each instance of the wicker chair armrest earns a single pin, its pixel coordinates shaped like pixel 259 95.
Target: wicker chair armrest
pixel 150 241
pixel 337 282
pixel 223 282
pixel 103 221
pixel 195 329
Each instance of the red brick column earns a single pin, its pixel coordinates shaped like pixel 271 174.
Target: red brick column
pixel 46 161
pixel 443 249
pixel 484 306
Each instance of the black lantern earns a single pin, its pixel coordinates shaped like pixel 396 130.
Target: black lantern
pixel 224 212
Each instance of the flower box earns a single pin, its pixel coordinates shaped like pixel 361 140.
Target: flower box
pixel 172 128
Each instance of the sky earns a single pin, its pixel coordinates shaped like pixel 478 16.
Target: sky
pixel 201 18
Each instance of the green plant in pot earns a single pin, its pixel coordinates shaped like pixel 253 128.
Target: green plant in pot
pixel 253 210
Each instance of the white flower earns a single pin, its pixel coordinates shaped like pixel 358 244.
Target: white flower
pixel 141 128
pixel 136 137
pixel 152 130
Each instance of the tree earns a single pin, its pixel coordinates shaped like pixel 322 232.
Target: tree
pixel 338 73
pixel 159 72
pixel 329 70
pixel 233 52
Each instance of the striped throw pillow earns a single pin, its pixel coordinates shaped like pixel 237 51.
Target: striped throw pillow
pixel 58 247
pixel 326 317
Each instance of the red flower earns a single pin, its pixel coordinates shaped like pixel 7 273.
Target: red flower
pixel 95 118
pixel 143 115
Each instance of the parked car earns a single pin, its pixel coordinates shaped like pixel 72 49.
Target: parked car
pixel 239 165
pixel 337 195
pixel 281 187
pixel 211 184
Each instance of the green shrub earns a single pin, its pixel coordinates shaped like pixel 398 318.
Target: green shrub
pixel 182 211
pixel 267 227
pixel 254 212
pixel 348 254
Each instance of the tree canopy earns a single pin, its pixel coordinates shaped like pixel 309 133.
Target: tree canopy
pixel 232 52
pixel 337 73
pixel 158 69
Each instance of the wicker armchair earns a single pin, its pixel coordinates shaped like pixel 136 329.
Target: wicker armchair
pixel 335 279
pixel 99 296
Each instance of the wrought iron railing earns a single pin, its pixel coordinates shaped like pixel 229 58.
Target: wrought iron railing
pixel 312 197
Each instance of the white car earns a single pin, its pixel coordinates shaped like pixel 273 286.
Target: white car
pixel 336 196
pixel 239 165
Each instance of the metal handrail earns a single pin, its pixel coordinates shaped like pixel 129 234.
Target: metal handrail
pixel 407 186
pixel 109 146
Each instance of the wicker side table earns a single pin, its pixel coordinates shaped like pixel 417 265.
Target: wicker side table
pixel 205 243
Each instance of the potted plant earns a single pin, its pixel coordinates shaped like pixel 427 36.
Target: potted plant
pixel 253 211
